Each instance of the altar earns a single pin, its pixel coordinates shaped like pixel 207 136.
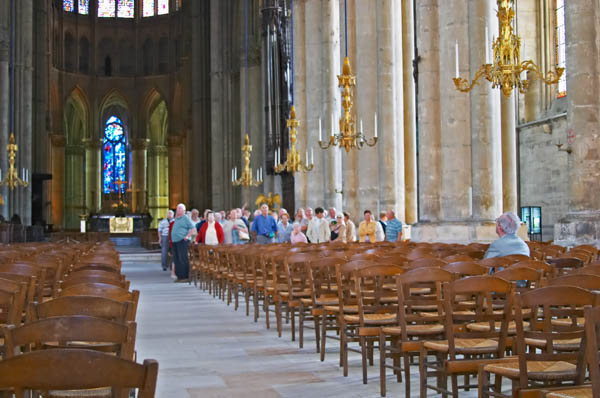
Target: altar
pixel 119 223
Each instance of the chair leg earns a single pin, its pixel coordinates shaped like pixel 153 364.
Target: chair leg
pixel 364 350
pixel 278 316
pixel 382 364
pixel 423 373
pixel 344 351
pixel 406 357
pixel 292 312
pixel 323 335
pixel 454 378
pixel 301 326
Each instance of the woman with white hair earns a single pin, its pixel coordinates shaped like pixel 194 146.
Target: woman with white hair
pixel 297 236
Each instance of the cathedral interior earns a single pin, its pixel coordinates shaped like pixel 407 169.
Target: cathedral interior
pixel 141 105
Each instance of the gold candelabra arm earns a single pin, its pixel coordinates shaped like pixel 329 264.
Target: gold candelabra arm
pixel 464 85
pixel 246 178
pixel 551 77
pixel 12 179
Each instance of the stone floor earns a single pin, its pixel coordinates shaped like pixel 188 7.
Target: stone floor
pixel 206 349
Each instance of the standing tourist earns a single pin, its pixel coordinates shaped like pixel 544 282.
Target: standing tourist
pixel 195 220
pixel 297 236
pixel 350 228
pixel 239 233
pixel 306 220
pixel 228 227
pixel 393 231
pixel 284 229
pixel 182 230
pixel 318 228
pixel 211 233
pixel 264 227
pixel 163 239
pixel 338 229
pixel 367 228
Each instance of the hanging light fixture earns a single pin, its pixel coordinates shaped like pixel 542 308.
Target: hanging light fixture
pixel 246 179
pixel 347 138
pixel 293 163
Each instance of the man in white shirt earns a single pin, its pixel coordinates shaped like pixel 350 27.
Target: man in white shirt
pixel 318 228
pixel 163 239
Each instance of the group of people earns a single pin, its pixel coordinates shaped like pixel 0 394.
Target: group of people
pixel 179 229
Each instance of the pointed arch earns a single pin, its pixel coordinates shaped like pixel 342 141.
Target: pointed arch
pixel 76 116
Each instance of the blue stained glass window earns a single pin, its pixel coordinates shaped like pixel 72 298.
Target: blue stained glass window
pixel 114 155
pixel 68 5
pixel 84 7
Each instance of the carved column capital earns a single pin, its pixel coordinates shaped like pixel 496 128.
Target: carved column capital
pixel 140 144
pixel 58 140
pixel 90 143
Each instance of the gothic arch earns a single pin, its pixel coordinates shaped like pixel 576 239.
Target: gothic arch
pixel 114 102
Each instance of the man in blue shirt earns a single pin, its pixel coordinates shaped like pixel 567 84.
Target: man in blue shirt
pixel 509 243
pixel 264 227
pixel 393 230
pixel 182 230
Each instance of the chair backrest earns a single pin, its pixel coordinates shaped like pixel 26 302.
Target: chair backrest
pixel 539 307
pixel 427 262
pixel 72 281
pixel 478 299
pixel 585 281
pixel 592 269
pixel 103 290
pixel 91 272
pixel 29 270
pixel 564 265
pixel 76 369
pixel 457 257
pixel 530 276
pixel 375 289
pixel 13 296
pixel 547 270
pixel 515 258
pixel 592 345
pixel 466 268
pixel 495 262
pixel 99 307
pixel 72 331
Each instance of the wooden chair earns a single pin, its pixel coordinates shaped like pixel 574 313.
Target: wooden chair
pixel 526 278
pixel 547 353
pixel 547 270
pixel 377 302
pixel 466 268
pixel 30 271
pixel 12 301
pixel 565 265
pixel 457 257
pixel 407 336
pixel 103 290
pixel 68 369
pixel 72 281
pixel 464 349
pixel 98 307
pixel 495 262
pixel 83 272
pixel 427 262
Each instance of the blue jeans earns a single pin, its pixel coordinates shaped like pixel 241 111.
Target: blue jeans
pixel 263 240
pixel 164 251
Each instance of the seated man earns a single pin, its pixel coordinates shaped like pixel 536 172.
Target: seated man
pixel 509 243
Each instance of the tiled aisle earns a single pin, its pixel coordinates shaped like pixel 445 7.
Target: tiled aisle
pixel 206 349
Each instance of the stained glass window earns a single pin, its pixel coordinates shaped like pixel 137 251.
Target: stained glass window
pixel 114 155
pixel 68 5
pixel 177 5
pixel 106 8
pixel 125 8
pixel 163 7
pixel 148 8
pixel 84 7
pixel 560 38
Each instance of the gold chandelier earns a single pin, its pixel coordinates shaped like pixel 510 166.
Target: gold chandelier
pixel 506 67
pixel 293 163
pixel 246 179
pixel 348 138
pixel 12 179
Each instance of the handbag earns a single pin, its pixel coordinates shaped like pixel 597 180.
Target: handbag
pixel 242 234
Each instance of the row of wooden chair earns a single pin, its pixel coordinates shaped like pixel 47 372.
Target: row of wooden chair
pixel 362 293
pixel 87 318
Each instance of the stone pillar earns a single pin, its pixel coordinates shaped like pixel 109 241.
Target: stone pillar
pixel 390 147
pixel 582 224
pixel 410 123
pixel 139 157
pixel 454 113
pixel 304 143
pixel 93 180
pixel 428 108
pixel 158 182
pixel 175 170
pixel 4 96
pixel 58 179
pixel 485 122
pixel 331 97
pixel 509 155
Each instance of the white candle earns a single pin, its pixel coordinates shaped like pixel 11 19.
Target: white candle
pixel 0 174
pixel 23 177
pixel 261 174
pixel 456 56
pixel 332 123
pixel 487 45
pixel 312 156
pixel 235 173
pixel 361 127
pixel 279 155
pixel 320 136
pixel 375 123
pixel 306 156
pixel 232 179
pixel 275 157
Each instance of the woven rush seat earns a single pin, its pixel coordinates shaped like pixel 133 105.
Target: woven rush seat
pixel 415 330
pixel 581 392
pixel 322 300
pixel 464 346
pixel 372 318
pixel 104 392
pixel 559 345
pixel 420 290
pixel 568 322
pixel 537 370
pixel 302 293
pixel 353 309
pixel 485 326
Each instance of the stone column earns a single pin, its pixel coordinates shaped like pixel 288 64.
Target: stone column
pixel 304 142
pixel 509 155
pixel 175 170
pixel 485 123
pixel 331 97
pixel 410 123
pixel 75 185
pixel 454 105
pixel 582 224
pixel 4 96
pixel 428 108
pixel 158 182
pixel 93 180
pixel 58 179
pixel 389 81
pixel 139 157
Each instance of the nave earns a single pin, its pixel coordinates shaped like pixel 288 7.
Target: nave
pixel 206 349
